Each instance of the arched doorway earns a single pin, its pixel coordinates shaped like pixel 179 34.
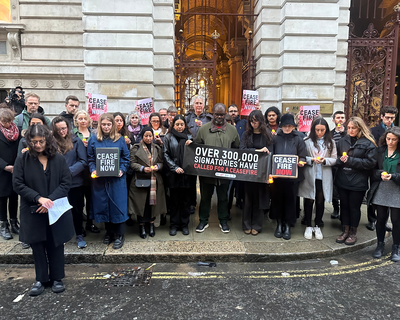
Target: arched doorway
pixel 213 51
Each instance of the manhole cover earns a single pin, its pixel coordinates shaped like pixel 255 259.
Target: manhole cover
pixel 130 278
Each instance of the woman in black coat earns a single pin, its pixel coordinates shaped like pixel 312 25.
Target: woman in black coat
pixel 41 176
pixel 179 183
pixel 257 137
pixel 356 158
pixel 385 192
pixel 74 153
pixel 284 190
pixel 9 139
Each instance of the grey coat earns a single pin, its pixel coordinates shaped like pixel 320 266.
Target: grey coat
pixel 307 186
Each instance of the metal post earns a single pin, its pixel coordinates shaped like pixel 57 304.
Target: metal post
pixel 395 52
pixel 215 36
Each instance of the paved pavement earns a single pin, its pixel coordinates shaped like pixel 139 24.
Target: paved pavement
pixel 357 287
pixel 211 245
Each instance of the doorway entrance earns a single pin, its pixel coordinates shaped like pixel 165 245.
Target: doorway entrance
pixel 213 51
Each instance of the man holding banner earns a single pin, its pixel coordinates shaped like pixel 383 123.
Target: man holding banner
pixel 220 134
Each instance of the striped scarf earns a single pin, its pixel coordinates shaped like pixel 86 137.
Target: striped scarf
pixel 153 180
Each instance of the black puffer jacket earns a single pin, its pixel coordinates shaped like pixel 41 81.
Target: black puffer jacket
pixel 377 171
pixel 353 175
pixel 171 155
pixel 291 144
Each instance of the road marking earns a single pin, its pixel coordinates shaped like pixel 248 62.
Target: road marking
pixel 275 274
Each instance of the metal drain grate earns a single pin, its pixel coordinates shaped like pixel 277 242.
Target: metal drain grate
pixel 130 278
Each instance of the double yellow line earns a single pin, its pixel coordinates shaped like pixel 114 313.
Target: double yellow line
pixel 263 274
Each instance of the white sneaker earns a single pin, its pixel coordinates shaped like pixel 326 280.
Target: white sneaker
pixel 318 233
pixel 308 233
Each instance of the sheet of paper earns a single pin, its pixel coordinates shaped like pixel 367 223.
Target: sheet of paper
pixel 60 207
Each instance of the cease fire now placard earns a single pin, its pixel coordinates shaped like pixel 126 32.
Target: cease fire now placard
pixel 107 162
pixel 284 166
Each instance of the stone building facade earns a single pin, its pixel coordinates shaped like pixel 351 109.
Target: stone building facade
pixel 126 50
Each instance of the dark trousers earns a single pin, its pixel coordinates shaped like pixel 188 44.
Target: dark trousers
pixel 283 195
pixel 116 229
pixel 193 194
pixel 180 207
pixel 12 207
pixel 382 217
pixel 253 216
pixel 319 205
pixel 75 198
pixel 350 206
pixel 49 260
pixel 147 211
pixel 206 191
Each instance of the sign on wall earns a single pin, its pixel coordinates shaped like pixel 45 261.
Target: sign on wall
pixel 224 163
pixel 97 105
pixel 107 162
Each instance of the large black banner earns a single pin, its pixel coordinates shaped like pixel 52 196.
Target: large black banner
pixel 223 163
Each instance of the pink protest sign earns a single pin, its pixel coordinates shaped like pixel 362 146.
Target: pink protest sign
pixel 249 101
pixel 306 116
pixel 145 108
pixel 97 105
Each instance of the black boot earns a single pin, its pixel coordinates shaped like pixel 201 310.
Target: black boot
pixel 14 226
pixel 278 230
pixel 152 232
pixel 142 231
pixel 286 234
pixel 395 257
pixel 380 248
pixel 5 231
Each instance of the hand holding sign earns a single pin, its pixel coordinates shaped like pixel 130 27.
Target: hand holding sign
pixel 265 149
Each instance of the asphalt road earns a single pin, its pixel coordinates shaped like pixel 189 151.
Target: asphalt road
pixel 357 287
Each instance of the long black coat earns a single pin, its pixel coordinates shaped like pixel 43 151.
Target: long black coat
pixel 377 171
pixel 354 174
pixel 30 182
pixel 263 188
pixel 8 154
pixel 291 144
pixel 171 150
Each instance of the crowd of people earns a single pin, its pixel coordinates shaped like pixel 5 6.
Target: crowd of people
pixel 47 160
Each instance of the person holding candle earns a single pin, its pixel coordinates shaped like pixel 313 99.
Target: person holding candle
pixel 122 128
pixel 109 194
pixel 272 118
pixel 356 157
pixel 179 183
pixel 83 131
pixel 284 191
pixel 317 185
pixel 159 131
pixel 146 193
pixel 385 192
pixel 256 195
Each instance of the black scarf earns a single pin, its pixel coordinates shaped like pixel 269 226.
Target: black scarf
pixel 181 137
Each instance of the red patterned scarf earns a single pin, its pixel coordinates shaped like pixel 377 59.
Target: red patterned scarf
pixel 153 180
pixel 11 133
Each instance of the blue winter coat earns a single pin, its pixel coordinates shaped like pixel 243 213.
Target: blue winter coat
pixel 109 194
pixel 77 161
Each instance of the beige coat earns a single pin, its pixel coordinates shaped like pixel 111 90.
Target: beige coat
pixel 307 186
pixel 138 196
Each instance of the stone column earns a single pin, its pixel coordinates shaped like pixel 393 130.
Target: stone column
pixel 300 49
pixel 129 51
